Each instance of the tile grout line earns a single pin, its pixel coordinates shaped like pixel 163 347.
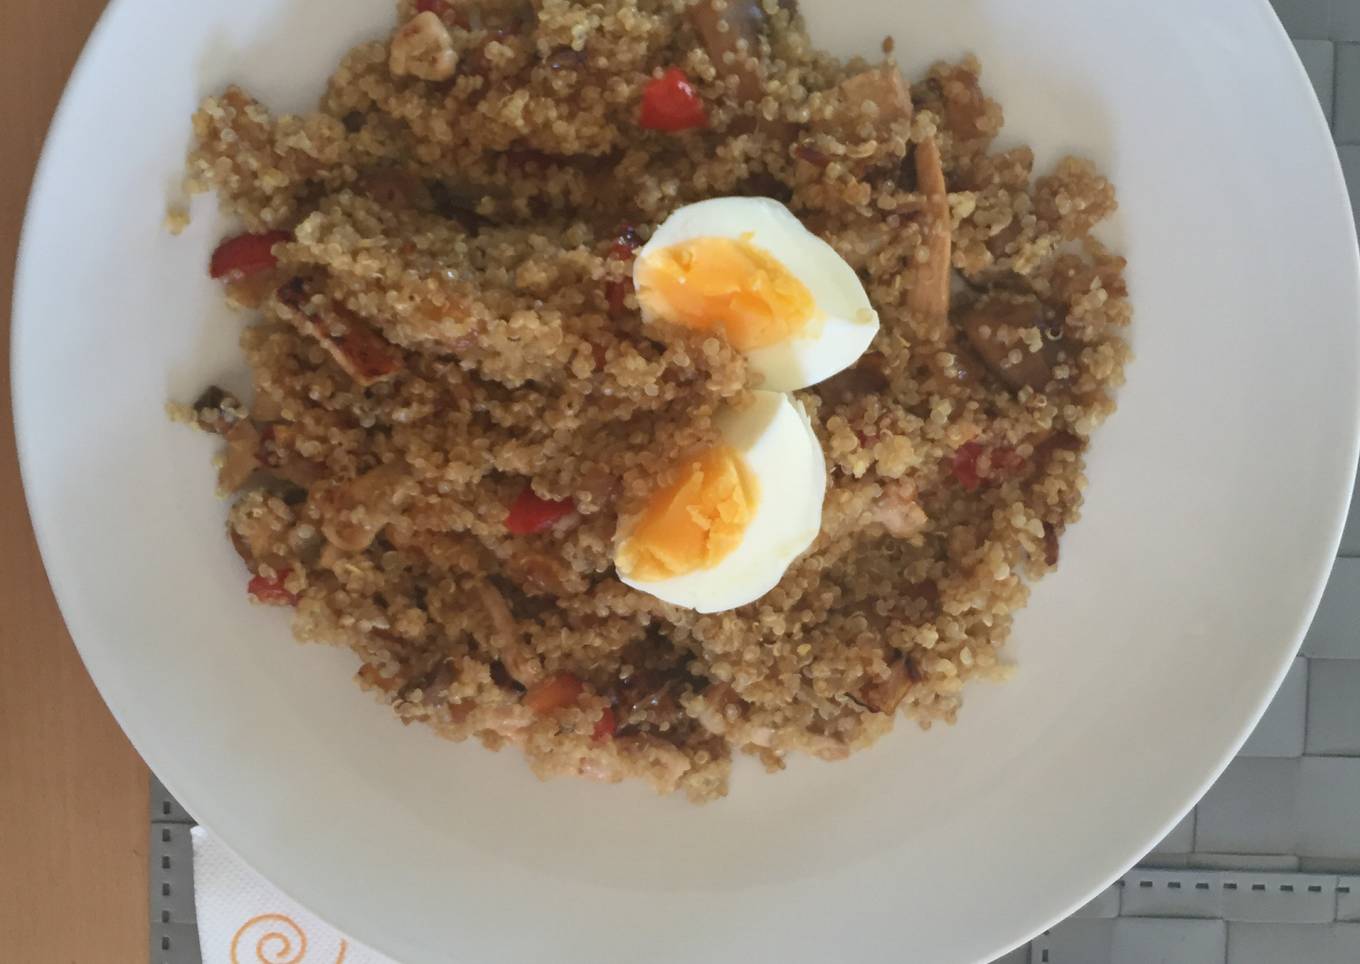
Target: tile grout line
pixel 1338 48
pixel 1307 705
pixel 1336 81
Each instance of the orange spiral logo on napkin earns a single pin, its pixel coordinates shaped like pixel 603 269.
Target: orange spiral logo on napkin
pixel 275 944
pixel 278 940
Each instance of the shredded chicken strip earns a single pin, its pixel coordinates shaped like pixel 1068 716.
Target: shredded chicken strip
pixel 929 294
pixel 512 647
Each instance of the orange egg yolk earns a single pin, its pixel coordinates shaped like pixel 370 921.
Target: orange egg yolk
pixel 693 523
pixel 726 285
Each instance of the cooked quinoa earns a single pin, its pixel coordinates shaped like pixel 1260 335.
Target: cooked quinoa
pixel 437 263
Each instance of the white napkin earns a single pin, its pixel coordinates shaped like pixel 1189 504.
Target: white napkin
pixel 243 919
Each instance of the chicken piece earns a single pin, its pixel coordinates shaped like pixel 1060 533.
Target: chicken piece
pixel 543 573
pixel 363 353
pixel 280 459
pixel 497 725
pixel 731 36
pixel 928 296
pixel 657 761
pixel 356 346
pixel 601 765
pixel 713 710
pixel 423 48
pixel 242 456
pixel 508 638
pixel 885 696
pixel 710 707
pixel 898 509
pixel 999 327
pixel 877 96
pixel 968 115
pixel 353 513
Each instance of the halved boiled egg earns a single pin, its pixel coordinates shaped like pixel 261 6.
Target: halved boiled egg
pixel 723 530
pixel 747 270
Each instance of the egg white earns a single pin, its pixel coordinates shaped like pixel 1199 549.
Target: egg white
pixel 844 323
pixel 775 440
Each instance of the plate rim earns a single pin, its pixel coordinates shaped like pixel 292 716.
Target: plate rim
pixel 20 329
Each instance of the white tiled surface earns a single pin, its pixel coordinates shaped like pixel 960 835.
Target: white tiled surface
pixel 1276 863
pixel 1335 633
pixel 1281 731
pixel 1075 941
pixel 1348 899
pixel 1346 113
pixel 1294 944
pixel 1105 904
pixel 1306 18
pixel 1345 19
pixel 1172 893
pixel 1181 840
pixel 1130 940
pixel 1350 163
pixel 1334 708
pixel 1278 898
pixel 1329 808
pixel 1249 896
pixel 1319 59
pixel 1252 809
pixel 1168 941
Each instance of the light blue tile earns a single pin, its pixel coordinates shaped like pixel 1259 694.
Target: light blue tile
pixel 1334 708
pixel 1281 730
pixel 1276 863
pixel 1348 899
pixel 1181 839
pixel 1335 633
pixel 1345 20
pixel 1319 59
pixel 1346 111
pixel 1252 809
pixel 1350 163
pixel 1076 941
pixel 1103 905
pixel 1305 18
pixel 1166 861
pixel 1153 941
pixel 1294 943
pixel 1329 808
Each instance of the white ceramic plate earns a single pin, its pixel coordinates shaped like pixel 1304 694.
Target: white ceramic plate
pixel 1216 498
